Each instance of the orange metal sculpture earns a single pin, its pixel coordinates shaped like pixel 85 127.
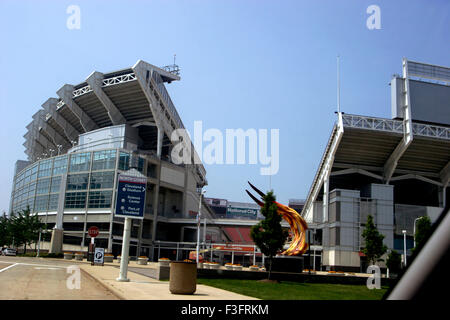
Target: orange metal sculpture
pixel 298 225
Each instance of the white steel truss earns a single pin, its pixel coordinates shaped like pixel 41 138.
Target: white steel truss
pixel 395 126
pixel 119 79
pixel 81 91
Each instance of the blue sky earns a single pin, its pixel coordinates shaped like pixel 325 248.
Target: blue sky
pixel 244 64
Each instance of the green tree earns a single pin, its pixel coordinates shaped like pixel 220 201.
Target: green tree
pixel 394 261
pixel 374 247
pixel 25 228
pixel 268 234
pixel 423 230
pixel 5 230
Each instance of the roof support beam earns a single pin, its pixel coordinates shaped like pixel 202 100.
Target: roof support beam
pixel 95 81
pixel 66 94
pixel 445 175
pixel 52 133
pixel 70 132
pixel 391 163
pixel 380 169
pixel 357 170
pixel 417 177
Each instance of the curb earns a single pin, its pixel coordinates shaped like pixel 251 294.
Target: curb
pixel 111 289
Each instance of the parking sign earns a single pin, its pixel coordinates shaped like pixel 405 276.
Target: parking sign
pixel 99 255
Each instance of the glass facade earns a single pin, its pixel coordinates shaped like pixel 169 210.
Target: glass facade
pixel 104 160
pixel 80 162
pixel 89 182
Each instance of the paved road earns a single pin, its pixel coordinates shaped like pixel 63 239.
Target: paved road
pixel 36 278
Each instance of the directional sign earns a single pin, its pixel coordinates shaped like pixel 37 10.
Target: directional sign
pixel 130 201
pixel 99 255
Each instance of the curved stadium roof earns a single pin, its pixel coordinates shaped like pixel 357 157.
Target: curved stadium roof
pixel 135 96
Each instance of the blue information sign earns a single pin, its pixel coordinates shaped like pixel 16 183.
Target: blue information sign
pixel 130 201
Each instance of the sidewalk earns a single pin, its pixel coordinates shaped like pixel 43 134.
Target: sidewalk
pixel 144 288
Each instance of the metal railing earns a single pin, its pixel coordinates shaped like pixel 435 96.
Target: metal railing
pixel 395 126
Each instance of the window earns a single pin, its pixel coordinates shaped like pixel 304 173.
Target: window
pixel 100 199
pixel 43 186
pixel 151 170
pixel 53 202
pixel 104 160
pixel 45 168
pixel 56 183
pixel 141 164
pixel 41 203
pixel 31 189
pixel 77 181
pixel 124 161
pixel 75 200
pixel 80 162
pixel 60 165
pixel 34 171
pixel 102 180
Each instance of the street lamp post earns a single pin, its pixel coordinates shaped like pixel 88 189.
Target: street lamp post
pixel 404 245
pixel 198 224
pixel 39 243
pixel 415 220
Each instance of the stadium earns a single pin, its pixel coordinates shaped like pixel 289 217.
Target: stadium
pixel 395 169
pixel 79 142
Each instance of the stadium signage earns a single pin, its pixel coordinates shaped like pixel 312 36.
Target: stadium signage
pixel 242 212
pixel 130 202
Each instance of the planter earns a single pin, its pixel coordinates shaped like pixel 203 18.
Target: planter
pixel 142 261
pixel 79 256
pixel 183 277
pixel 68 256
pixel 214 266
pixel 237 268
pixel 164 263
pixel 109 258
pixel 229 266
pixel 254 268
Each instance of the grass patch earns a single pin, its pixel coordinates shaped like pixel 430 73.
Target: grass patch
pixel 287 290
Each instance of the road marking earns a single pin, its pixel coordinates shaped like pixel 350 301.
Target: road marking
pixel 6 268
pixel 47 268
pixel 34 264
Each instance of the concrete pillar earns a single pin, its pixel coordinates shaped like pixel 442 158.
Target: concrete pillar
pixel 56 243
pixel 325 201
pixel 155 206
pixel 159 142
pixel 441 195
